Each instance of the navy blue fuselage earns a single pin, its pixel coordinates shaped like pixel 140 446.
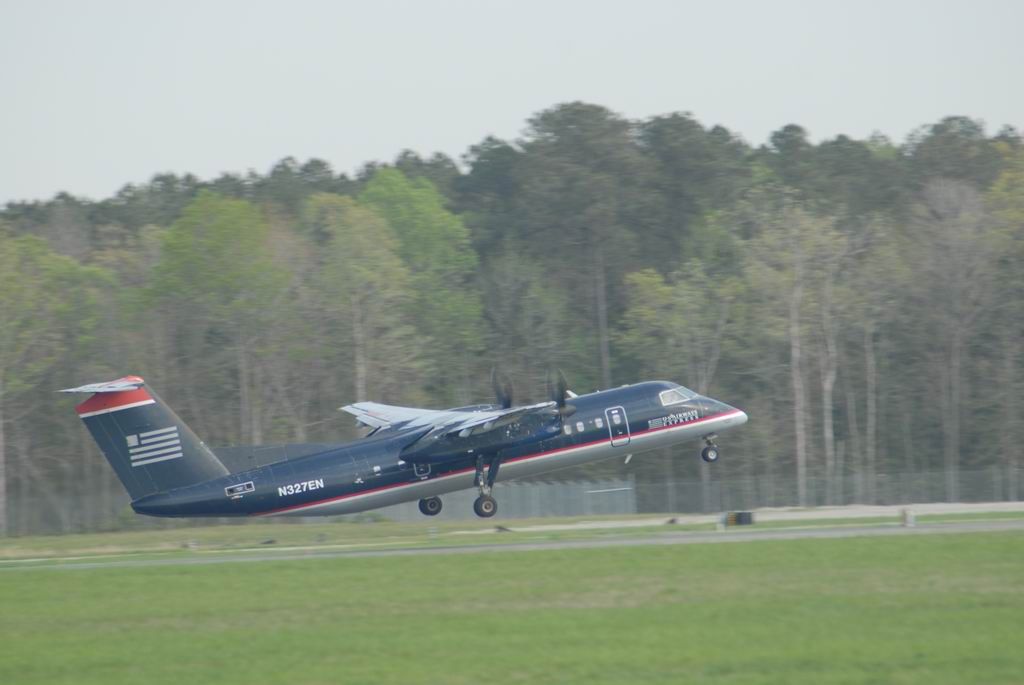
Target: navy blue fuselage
pixel 371 472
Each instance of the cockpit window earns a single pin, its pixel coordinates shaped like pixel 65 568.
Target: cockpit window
pixel 676 395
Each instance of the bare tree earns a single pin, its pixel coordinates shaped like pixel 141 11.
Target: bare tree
pixel 786 267
pixel 953 260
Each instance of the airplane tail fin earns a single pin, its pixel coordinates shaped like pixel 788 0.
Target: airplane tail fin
pixel 149 447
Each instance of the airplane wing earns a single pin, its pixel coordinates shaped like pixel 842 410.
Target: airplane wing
pixel 440 435
pixel 450 421
pixel 377 415
pixel 481 422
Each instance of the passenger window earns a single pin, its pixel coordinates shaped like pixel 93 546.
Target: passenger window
pixel 579 426
pixel 599 422
pixel 616 418
pixel 568 429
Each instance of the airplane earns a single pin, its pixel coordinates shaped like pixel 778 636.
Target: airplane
pixel 409 454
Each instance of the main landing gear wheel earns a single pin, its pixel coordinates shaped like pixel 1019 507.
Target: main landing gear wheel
pixel 431 506
pixel 485 506
pixel 709 454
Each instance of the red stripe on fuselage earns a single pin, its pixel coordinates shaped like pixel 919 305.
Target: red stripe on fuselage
pixel 525 457
pixel 109 401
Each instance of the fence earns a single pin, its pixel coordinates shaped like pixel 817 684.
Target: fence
pixel 82 511
pixel 994 484
pixel 536 500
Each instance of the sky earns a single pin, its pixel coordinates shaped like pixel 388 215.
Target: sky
pixel 95 95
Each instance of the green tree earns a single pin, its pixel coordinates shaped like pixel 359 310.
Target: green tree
pixel 435 247
pixel 677 328
pixel 859 178
pixel 697 172
pixel 586 205
pixel 954 148
pixel 487 197
pixel 791 156
pixel 792 268
pixel 526 322
pixel 49 306
pixel 439 169
pixel 366 289
pixel 1005 203
pixel 217 288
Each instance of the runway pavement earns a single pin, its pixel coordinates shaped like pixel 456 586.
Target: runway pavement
pixel 741 534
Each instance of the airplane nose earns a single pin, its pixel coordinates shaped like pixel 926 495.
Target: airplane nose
pixel 735 417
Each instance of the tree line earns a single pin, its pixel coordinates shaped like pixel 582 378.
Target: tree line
pixel 860 299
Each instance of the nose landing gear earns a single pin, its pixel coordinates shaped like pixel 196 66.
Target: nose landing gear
pixel 710 451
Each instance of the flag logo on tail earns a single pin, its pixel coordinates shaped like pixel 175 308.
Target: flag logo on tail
pixel 153 446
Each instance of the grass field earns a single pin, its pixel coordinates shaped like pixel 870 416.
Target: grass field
pixel 913 609
pixel 270 535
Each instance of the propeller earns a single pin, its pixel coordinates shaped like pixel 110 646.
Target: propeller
pixel 503 390
pixel 558 390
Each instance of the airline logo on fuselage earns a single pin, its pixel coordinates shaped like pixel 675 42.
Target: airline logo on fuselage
pixel 154 446
pixel 673 419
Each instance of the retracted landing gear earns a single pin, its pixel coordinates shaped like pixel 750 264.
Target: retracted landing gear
pixel 485 506
pixel 710 451
pixel 431 506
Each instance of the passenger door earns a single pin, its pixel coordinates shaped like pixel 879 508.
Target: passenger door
pixel 618 425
